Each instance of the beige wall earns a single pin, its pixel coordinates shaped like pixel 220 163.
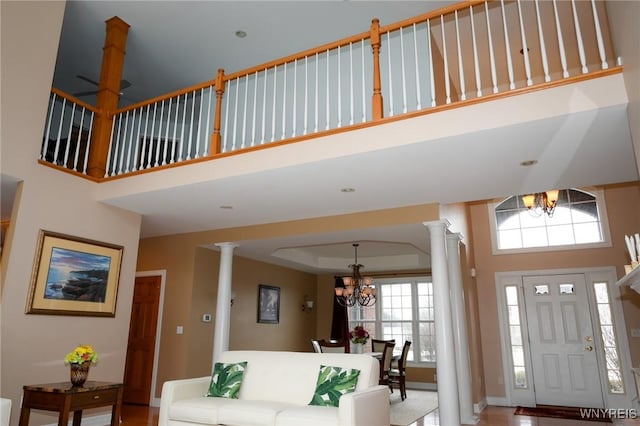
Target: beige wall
pixel 623 204
pixel 33 346
pixel 191 291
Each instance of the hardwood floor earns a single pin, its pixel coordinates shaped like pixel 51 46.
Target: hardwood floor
pixel 137 415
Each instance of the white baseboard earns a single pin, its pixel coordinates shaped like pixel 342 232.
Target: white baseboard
pixel 499 401
pixel 101 420
pixel 479 406
pixel 155 402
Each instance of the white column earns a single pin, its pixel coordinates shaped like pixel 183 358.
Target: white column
pixel 223 307
pixel 460 331
pixel 448 407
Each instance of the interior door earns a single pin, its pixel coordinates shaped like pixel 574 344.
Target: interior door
pixel 138 370
pixel 563 354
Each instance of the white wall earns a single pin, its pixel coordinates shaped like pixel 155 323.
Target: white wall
pixel 625 34
pixel 33 346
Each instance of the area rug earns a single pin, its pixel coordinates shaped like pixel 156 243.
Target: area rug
pixel 417 405
pixel 569 413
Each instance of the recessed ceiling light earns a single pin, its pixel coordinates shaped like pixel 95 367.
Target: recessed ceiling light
pixel 527 163
pixel 226 207
pixel 348 190
pixel 241 34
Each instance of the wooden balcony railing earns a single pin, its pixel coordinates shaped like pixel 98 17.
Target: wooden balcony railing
pixel 466 53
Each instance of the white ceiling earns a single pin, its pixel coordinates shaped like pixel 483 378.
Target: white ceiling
pixel 172 45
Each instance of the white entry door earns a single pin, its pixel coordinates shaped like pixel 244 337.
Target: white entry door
pixel 563 355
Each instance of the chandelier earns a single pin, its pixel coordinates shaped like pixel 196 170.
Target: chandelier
pixel 541 202
pixel 357 289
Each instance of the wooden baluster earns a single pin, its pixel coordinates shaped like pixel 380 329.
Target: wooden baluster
pixel 215 137
pixel 108 93
pixel 376 102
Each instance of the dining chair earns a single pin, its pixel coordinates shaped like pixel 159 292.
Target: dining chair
pixel 397 377
pixel 316 346
pixel 334 346
pixel 385 364
pixel 377 345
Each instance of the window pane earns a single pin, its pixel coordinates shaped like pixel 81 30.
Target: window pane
pixel 512 295
pixel 615 381
pixel 541 289
pixel 534 237
pixel 520 377
pixel 508 204
pixel 566 288
pixel 530 221
pixel 584 212
pixel 561 216
pixel 509 239
pixel 560 235
pixel 507 220
pixel 588 232
pixel 427 342
pixel 516 337
pixel 607 336
pixel 514 315
pixel 518 355
pixel 602 294
pixel 577 196
pixel 605 314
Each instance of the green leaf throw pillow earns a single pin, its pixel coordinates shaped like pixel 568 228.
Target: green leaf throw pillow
pixel 333 382
pixel 226 379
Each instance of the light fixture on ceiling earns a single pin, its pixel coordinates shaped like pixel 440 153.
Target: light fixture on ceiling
pixel 357 289
pixel 541 202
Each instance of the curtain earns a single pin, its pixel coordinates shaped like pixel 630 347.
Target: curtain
pixel 340 322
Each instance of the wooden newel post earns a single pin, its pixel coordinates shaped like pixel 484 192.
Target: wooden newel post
pixel 376 101
pixel 108 94
pixel 216 138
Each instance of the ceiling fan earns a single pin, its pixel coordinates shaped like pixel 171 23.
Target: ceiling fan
pixel 123 85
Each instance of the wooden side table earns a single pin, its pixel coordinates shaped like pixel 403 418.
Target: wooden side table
pixel 65 398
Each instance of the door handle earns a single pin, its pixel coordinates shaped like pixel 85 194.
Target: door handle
pixel 588 348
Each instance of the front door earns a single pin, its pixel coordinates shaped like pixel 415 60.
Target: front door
pixel 563 354
pixel 138 371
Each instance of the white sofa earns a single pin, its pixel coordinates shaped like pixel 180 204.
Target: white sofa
pixel 276 389
pixel 5 411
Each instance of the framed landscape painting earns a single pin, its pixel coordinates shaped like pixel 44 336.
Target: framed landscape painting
pixel 268 304
pixel 74 276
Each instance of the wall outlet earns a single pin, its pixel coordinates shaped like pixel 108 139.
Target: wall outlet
pixel 206 317
pixel 635 332
pixel 179 329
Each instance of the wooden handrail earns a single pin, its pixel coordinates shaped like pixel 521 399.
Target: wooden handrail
pixel 429 15
pixel 75 100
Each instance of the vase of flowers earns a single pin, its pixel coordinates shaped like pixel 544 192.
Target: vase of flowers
pixel 79 361
pixel 359 337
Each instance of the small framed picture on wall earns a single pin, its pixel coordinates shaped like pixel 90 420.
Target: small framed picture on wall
pixel 268 304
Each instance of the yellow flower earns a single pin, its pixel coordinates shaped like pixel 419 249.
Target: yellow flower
pixel 80 354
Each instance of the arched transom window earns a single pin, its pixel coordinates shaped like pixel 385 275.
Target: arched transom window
pixel 576 221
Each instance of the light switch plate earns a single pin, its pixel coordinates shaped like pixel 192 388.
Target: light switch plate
pixel 635 332
pixel 179 329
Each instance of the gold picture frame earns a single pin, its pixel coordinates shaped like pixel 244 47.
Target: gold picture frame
pixel 74 276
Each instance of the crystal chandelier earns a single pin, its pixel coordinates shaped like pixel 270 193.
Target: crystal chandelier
pixel 357 289
pixel 541 202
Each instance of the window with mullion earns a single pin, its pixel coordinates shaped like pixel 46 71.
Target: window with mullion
pixel 403 311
